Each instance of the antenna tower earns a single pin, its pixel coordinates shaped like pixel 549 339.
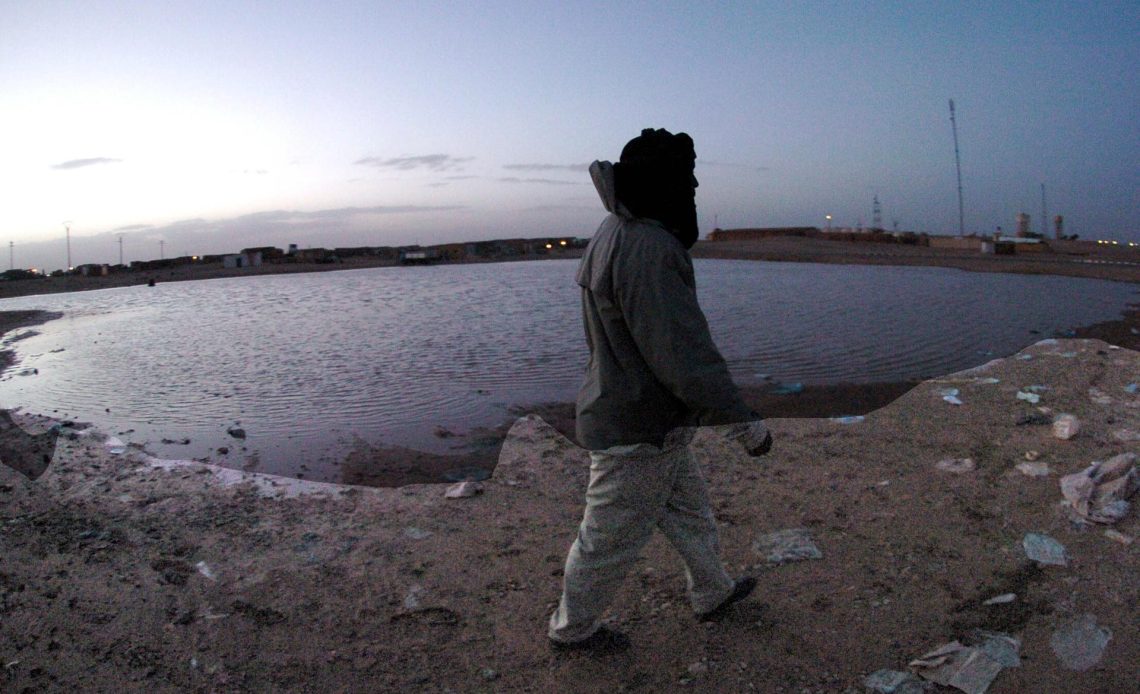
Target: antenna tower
pixel 876 215
pixel 958 167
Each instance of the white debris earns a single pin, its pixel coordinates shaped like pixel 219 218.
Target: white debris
pixel 1079 643
pixel 956 465
pixel 1066 426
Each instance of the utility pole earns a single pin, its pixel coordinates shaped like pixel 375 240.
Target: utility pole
pixel 958 167
pixel 120 249
pixel 68 230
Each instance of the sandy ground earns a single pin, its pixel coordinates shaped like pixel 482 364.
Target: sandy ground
pixel 121 573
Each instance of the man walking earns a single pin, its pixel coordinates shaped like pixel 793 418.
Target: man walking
pixel 654 374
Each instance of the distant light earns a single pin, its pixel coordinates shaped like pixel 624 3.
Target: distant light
pixel 562 242
pixel 549 246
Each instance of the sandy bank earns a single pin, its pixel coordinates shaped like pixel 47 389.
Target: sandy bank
pixel 119 574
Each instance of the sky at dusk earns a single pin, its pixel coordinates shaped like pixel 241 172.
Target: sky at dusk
pixel 206 127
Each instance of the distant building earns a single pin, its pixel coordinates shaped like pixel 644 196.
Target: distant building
pixel 241 260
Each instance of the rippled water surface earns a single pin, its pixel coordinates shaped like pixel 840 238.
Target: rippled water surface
pixel 307 364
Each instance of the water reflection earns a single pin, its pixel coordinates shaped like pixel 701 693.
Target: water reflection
pixel 314 367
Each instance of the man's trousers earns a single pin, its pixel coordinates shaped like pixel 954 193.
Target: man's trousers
pixel 632 491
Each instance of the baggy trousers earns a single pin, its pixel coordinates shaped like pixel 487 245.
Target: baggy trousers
pixel 632 490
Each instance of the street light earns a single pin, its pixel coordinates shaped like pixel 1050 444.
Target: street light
pixel 828 218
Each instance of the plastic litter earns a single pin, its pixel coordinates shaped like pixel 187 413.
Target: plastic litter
pixel 412 599
pixel 1117 536
pixel 948 392
pixel 1101 491
pixel 1126 435
pixel 1002 599
pixel 1034 419
pixel 1032 398
pixel 1025 357
pixel 115 446
pixel 1035 388
pixel 956 465
pixel 952 399
pixel 1031 455
pixel 1066 426
pixel 788 388
pixel 1131 388
pixel 1003 649
pixel 1044 550
pixel 205 570
pixel 893 682
pixel 1034 469
pixel 1100 397
pixel 463 490
pixel 962 667
pixel 783 546
pixel 1080 642
pixel 848 419
pixel 417 533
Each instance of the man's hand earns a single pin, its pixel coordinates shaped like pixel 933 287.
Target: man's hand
pixel 754 436
pixel 762 447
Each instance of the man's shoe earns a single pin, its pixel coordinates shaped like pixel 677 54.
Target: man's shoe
pixel 742 589
pixel 604 641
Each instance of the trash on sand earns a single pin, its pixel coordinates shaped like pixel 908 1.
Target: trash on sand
pixel 205 570
pixel 848 419
pixel 1034 469
pixel 1079 643
pixel 1131 388
pixel 1031 455
pixel 115 446
pixel 782 546
pixel 893 682
pixel 1118 536
pixel 952 399
pixel 1044 550
pixel 412 599
pixel 463 490
pixel 1001 599
pixel 416 533
pixel 1025 357
pixel 957 465
pixel 1035 419
pixel 962 667
pixel 947 391
pixel 1031 398
pixel 1100 397
pixel 1126 435
pixel 1066 426
pixel 1035 388
pixel 1100 492
pixel 1003 649
pixel 788 388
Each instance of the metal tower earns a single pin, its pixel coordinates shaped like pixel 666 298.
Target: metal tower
pixel 876 215
pixel 958 167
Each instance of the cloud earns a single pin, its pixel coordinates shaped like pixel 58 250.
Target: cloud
pixel 434 162
pixel 80 163
pixel 542 181
pixel 576 168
